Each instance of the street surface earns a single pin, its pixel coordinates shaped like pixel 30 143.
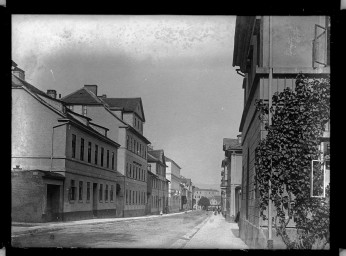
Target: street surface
pixel 195 229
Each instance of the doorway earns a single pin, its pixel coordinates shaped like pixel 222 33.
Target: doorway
pixel 53 202
pixel 94 205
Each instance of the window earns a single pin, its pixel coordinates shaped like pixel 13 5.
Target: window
pixel 73 146
pixel 130 198
pixel 134 145
pixel 136 173
pixel 112 160
pixel 131 143
pixel 73 190
pixel 88 191
pixel 140 149
pixel 101 192
pixel 133 197
pixel 82 149
pixel 126 196
pixel 135 122
pixel 127 169
pixel 80 192
pixel 96 153
pixel 106 193
pixel 111 195
pixel 89 152
pixel 130 171
pixel 127 142
pixel 136 197
pixel 102 152
pixel 84 110
pixel 137 148
pixel 107 158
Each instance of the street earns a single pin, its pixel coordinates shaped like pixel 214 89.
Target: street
pixel 194 229
pixel 159 232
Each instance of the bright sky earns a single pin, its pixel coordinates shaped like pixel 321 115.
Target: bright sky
pixel 181 67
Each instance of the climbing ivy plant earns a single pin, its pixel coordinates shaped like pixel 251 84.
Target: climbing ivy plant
pixel 284 157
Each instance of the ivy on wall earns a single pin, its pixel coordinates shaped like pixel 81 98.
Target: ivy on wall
pixel 284 157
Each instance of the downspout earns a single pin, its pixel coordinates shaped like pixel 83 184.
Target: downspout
pixel 52 150
pixel 270 224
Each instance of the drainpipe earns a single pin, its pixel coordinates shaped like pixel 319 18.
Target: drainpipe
pixel 51 155
pixel 270 239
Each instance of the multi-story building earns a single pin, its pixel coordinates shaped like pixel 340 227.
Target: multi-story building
pixel 215 202
pixel 231 176
pixel 270 52
pixel 201 192
pixel 64 164
pixel 174 190
pixel 159 191
pixel 124 117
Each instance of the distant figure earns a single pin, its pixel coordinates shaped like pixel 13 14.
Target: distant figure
pixel 237 217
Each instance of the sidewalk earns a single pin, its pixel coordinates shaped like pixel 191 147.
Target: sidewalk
pixel 23 228
pixel 217 233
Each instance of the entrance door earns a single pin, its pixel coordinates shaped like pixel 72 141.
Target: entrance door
pixel 53 202
pixel 95 199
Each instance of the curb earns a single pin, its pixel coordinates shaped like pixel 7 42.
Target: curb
pixel 180 243
pixel 56 226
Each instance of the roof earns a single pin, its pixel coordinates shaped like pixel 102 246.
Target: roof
pixel 82 96
pixel 127 104
pixel 242 37
pixel 167 159
pixel 18 83
pixel 157 155
pixel 49 174
pixel 68 115
pixel 229 144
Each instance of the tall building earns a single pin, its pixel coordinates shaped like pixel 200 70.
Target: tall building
pixel 270 52
pixel 124 117
pixel 231 176
pixel 64 164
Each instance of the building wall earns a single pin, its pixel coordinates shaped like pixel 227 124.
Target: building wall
pixel 31 145
pixel 292 53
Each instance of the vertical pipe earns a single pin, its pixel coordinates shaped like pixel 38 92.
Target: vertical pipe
pixel 270 240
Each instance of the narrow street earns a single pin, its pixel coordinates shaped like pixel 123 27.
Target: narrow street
pixel 195 229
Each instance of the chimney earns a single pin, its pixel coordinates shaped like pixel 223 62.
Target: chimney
pixel 103 96
pixel 19 73
pixel 52 93
pixel 59 95
pixel 92 88
pixel 239 138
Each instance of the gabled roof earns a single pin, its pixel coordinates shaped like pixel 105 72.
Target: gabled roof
pixel 82 96
pixel 17 83
pixel 127 104
pixel 157 156
pixel 66 114
pixel 231 144
pixel 170 160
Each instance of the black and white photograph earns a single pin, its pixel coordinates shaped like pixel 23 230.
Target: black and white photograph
pixel 170 131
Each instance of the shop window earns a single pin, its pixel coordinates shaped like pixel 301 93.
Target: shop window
pixel 73 190
pixel 106 193
pixel 111 193
pixel 80 192
pixel 88 191
pixel 101 192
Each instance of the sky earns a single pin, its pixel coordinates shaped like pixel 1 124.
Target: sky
pixel 181 67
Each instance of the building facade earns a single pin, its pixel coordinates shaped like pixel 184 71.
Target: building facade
pixel 174 190
pixel 124 117
pixel 159 195
pixel 271 51
pixel 201 192
pixel 64 165
pixel 187 193
pixel 231 177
